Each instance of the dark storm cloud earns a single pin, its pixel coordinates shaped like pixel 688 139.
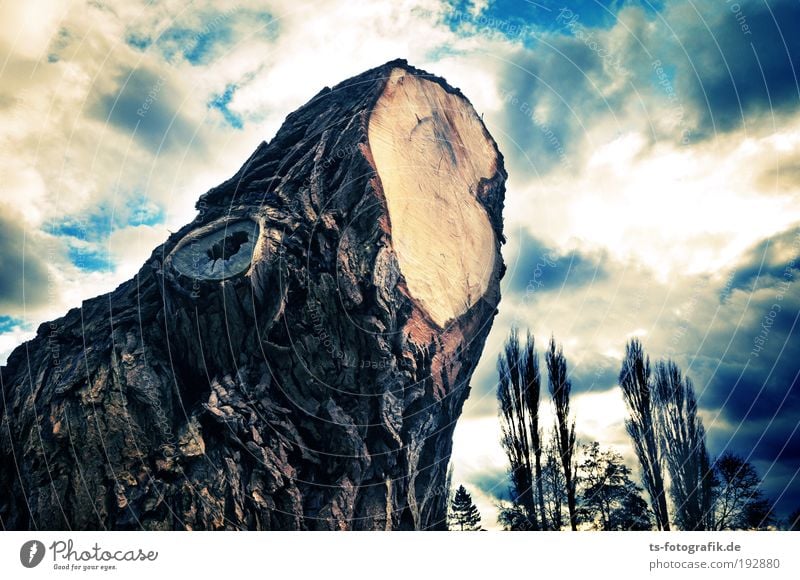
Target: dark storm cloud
pixel 539 268
pixel 738 60
pixel 493 482
pixel 23 273
pixel 773 446
pixel 747 369
pixel 594 375
pixel 146 106
pixel 681 74
pixel 776 439
pixel 765 262
pixel 551 92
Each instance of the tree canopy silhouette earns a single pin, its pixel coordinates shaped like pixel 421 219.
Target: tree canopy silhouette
pixel 636 384
pixel 560 390
pixel 518 392
pixel 683 443
pixel 739 503
pixel 610 500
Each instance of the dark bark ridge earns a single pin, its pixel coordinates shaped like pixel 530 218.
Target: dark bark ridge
pixel 267 368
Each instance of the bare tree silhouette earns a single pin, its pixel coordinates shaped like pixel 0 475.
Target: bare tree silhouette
pixel 560 390
pixel 739 503
pixel 683 444
pixel 636 384
pixel 518 392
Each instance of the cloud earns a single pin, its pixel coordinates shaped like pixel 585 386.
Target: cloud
pixel 11 339
pixel 737 62
pixel 765 263
pixel 23 269
pixel 552 92
pixel 27 28
pixel 145 106
pixel 538 268
pixel 494 483
pixel 204 35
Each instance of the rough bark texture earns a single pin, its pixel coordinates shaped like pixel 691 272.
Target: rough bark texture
pixel 267 368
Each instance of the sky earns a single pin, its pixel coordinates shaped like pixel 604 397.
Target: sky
pixel 653 152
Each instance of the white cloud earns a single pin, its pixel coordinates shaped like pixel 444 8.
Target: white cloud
pixel 679 210
pixel 12 339
pixel 27 28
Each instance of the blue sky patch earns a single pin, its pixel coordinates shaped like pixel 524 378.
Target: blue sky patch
pixel 138 41
pixel 98 225
pixel 94 258
pixel 197 46
pixel 8 323
pixel 523 18
pixel 221 102
pixel 58 45
pixel 141 211
pixel 203 37
pixel 87 235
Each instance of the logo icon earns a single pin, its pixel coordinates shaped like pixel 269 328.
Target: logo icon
pixel 31 553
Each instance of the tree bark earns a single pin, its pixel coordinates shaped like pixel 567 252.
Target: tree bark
pixel 296 357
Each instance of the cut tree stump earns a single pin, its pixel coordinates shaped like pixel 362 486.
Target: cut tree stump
pixel 296 357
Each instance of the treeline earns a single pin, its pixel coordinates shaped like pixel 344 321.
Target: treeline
pixel 557 484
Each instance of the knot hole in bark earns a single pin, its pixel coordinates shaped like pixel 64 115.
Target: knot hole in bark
pixel 229 246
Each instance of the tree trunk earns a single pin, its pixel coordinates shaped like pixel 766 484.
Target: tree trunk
pixel 540 485
pixel 294 358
